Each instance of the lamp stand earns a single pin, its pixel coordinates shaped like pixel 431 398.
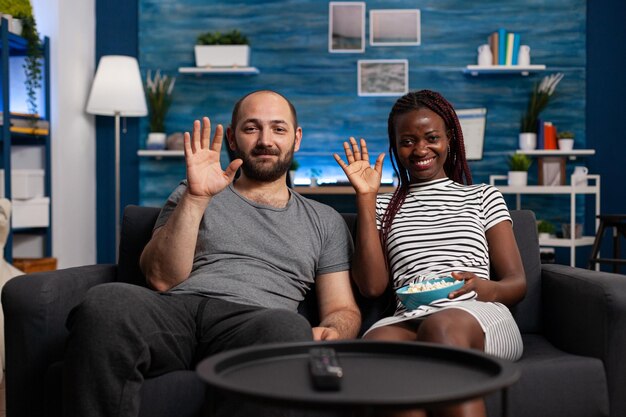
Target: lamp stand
pixel 117 184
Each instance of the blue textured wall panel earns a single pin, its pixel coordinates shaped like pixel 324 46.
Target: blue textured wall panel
pixel 289 41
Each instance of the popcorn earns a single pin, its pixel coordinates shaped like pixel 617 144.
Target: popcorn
pixel 428 286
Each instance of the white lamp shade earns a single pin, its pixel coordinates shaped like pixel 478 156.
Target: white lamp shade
pixel 117 88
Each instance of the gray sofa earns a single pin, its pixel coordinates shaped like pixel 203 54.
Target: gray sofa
pixel 573 323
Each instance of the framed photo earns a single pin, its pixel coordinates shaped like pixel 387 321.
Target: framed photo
pixel 395 27
pixel 346 26
pixel 383 77
pixel 473 123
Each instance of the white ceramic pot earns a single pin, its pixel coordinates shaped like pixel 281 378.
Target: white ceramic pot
pixel 517 178
pixel 17 26
pixel 579 176
pixel 527 141
pixel 156 140
pixel 222 55
pixel 566 144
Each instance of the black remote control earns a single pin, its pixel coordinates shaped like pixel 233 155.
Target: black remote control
pixel 325 370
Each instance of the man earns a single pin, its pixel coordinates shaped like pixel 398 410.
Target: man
pixel 230 263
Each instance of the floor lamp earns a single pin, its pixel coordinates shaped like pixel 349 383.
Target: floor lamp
pixel 117 90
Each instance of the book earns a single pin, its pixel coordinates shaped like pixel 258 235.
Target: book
pixel 510 37
pixel 549 136
pixel 516 43
pixel 501 46
pixel 539 134
pixel 493 44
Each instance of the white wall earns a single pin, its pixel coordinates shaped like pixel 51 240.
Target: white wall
pixel 70 25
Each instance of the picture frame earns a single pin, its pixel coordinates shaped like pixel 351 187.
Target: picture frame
pixel 395 27
pixel 382 77
pixel 473 122
pixel 346 27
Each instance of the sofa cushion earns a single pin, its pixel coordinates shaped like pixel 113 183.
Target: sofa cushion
pixel 554 384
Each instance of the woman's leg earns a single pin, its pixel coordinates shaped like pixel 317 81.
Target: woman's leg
pixel 458 328
pixel 450 327
pixel 402 332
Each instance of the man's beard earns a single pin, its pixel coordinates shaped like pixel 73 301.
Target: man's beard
pixel 265 171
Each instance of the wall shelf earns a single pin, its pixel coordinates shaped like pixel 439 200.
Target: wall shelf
pixel 160 153
pixel 558 153
pixel 12 45
pixel 570 190
pixel 503 69
pixel 219 71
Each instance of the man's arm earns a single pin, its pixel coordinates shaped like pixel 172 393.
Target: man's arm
pixel 340 317
pixel 168 258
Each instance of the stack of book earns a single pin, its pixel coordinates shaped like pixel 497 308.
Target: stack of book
pixel 29 124
pixel 504 47
pixel 546 135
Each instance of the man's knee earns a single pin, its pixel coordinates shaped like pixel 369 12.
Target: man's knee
pixel 276 325
pixel 103 304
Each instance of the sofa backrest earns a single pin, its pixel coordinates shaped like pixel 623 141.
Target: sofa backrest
pixel 528 312
pixel 138 222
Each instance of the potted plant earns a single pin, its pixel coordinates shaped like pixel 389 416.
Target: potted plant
pixel 545 229
pixel 518 169
pixel 566 140
pixel 292 171
pixel 539 99
pixel 159 97
pixel 23 11
pixel 216 49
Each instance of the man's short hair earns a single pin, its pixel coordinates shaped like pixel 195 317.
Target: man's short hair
pixel 235 116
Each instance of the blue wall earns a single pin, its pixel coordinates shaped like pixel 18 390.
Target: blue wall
pixel 289 46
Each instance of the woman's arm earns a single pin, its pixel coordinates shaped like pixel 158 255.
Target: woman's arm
pixel 508 283
pixel 369 269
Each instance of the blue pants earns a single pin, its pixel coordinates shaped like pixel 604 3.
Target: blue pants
pixel 123 333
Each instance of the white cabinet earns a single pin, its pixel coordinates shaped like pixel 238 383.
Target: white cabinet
pixel 592 187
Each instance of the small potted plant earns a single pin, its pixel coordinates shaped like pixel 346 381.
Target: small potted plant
pixel 539 99
pixel 518 169
pixel 566 140
pixel 545 229
pixel 292 171
pixel 159 97
pixel 22 11
pixel 216 49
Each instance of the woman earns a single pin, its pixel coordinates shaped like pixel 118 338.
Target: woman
pixel 436 224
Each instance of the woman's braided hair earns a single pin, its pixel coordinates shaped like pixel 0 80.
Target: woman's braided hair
pixel 455 167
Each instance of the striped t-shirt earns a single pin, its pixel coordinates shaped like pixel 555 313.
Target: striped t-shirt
pixel 441 228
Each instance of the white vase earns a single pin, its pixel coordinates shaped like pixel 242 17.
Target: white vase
pixel 517 178
pixel 156 140
pixel 527 141
pixel 222 55
pixel 566 144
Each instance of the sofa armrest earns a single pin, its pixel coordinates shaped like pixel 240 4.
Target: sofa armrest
pixel 585 314
pixel 35 308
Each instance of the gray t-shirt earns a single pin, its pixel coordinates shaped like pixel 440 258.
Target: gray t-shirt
pixel 254 254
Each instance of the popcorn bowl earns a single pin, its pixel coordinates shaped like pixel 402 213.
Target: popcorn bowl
pixel 413 300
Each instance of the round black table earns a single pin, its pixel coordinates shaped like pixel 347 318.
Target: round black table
pixel 376 375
